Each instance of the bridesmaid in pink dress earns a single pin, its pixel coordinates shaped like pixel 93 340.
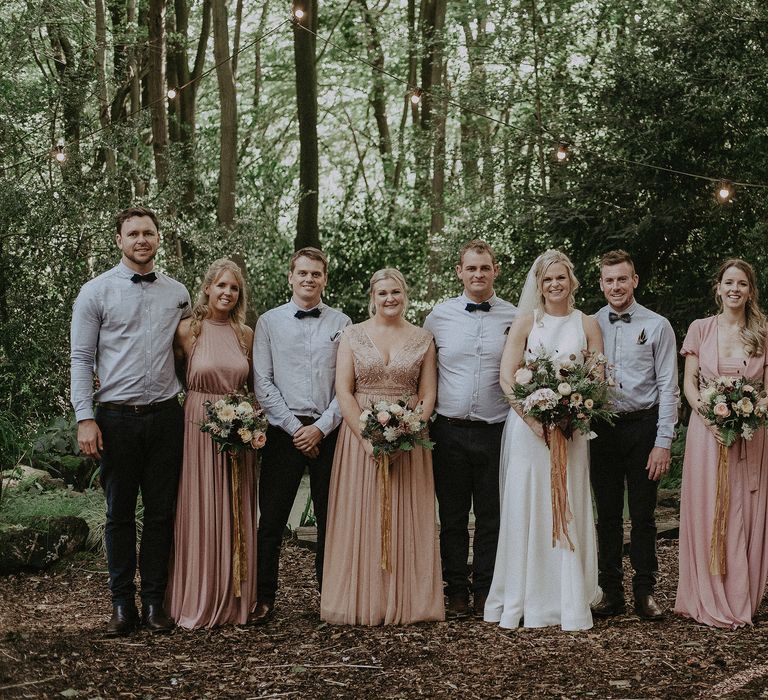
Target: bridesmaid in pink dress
pixel 217 346
pixel 733 343
pixel 384 358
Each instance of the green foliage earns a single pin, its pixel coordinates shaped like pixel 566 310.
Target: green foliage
pixel 674 477
pixel 55 449
pixel 31 508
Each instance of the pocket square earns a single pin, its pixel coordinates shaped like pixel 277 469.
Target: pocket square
pixel 182 304
pixel 335 336
pixel 642 338
pixel 506 330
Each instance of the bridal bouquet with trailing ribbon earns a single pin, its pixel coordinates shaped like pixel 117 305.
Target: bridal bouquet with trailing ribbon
pixel 737 407
pixel 564 396
pixel 236 423
pixel 391 427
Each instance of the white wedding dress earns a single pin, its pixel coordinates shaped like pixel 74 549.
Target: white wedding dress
pixel 535 583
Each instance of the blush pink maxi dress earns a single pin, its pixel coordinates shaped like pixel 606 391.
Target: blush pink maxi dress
pixel 731 600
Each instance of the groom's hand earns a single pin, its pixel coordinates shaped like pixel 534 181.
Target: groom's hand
pixel 307 438
pixel 89 439
pixel 658 463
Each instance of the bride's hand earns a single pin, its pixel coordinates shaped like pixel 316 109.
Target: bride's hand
pixel 534 425
pixel 368 447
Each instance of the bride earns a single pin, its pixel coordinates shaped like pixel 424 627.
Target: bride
pixel 535 583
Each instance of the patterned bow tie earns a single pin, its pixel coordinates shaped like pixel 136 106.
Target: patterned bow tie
pixel 314 313
pixel 484 306
pixel 149 277
pixel 612 317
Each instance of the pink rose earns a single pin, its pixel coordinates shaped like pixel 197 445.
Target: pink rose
pixel 258 441
pixel 383 417
pixel 722 410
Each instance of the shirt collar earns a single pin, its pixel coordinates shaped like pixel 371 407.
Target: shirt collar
pixel 125 271
pixel 630 310
pixel 294 307
pixel 464 299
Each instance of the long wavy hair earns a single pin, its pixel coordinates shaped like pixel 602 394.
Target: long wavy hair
pixel 544 261
pixel 388 273
pixel 755 323
pixel 201 310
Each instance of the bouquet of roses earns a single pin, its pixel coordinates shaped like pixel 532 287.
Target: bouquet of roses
pixel 735 405
pixel 235 423
pixel 564 394
pixel 391 426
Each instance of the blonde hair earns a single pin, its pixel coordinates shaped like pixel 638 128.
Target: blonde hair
pixel 388 273
pixel 543 263
pixel 201 310
pixel 755 323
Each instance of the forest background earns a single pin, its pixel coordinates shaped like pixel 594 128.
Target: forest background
pixel 287 132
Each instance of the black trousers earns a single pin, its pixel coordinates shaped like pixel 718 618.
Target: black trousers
pixel 619 454
pixel 466 468
pixel 282 467
pixel 142 453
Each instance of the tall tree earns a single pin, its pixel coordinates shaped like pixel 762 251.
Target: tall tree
pixel 156 88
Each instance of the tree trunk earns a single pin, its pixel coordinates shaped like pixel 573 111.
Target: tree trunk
pixel 101 80
pixel 225 210
pixel 307 232
pixel 156 89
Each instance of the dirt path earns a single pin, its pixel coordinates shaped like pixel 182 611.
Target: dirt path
pixel 51 646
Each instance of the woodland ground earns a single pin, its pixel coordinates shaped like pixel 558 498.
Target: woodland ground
pixel 51 646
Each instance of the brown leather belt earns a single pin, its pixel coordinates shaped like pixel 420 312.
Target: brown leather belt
pixel 134 410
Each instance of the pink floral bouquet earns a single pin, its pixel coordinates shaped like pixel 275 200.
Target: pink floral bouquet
pixel 735 405
pixel 393 426
pixel 235 423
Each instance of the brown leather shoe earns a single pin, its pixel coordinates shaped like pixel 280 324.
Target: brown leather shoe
pixel 124 620
pixel 609 607
pixel 479 605
pixel 263 613
pixel 457 608
pixel 155 619
pixel 647 608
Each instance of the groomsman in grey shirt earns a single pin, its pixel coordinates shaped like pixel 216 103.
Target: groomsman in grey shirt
pixel 470 331
pixel 294 366
pixel 123 323
pixel 642 357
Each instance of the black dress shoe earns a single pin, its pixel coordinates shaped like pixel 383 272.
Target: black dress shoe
pixel 647 608
pixel 124 620
pixel 609 607
pixel 155 619
pixel 479 605
pixel 263 613
pixel 457 608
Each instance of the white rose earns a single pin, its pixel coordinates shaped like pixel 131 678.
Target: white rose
pixel 564 389
pixel 396 409
pixel 220 403
pixel 381 406
pixel 244 409
pixel 523 376
pixel 708 393
pixel 226 413
pixel 245 434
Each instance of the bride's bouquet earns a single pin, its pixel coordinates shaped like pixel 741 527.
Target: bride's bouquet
pixel 737 407
pixel 391 426
pixel 564 396
pixel 236 423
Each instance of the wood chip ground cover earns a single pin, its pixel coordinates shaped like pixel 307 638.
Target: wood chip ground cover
pixel 52 646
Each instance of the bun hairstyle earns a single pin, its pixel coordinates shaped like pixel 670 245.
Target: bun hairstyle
pixel 755 325
pixel 544 261
pixel 387 273
pixel 201 311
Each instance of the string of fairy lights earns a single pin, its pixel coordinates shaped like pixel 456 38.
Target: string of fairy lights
pixel 561 153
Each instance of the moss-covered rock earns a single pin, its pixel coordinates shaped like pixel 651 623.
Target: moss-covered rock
pixel 37 547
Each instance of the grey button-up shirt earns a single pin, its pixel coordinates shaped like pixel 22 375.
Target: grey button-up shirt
pixel 294 366
pixel 642 357
pixel 123 331
pixel 469 347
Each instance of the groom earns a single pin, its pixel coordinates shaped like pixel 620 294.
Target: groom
pixel 470 333
pixel 642 354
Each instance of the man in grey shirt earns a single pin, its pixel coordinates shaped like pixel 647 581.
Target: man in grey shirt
pixel 470 331
pixel 642 358
pixel 123 324
pixel 294 368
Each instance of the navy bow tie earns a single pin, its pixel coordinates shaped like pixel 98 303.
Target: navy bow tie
pixel 612 317
pixel 149 277
pixel 484 306
pixel 314 313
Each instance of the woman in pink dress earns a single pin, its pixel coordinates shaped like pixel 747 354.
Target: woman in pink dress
pixel 732 343
pixel 217 345
pixel 382 359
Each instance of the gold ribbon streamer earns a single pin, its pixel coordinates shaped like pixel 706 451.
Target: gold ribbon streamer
pixel 239 562
pixel 558 460
pixel 720 521
pixel 385 503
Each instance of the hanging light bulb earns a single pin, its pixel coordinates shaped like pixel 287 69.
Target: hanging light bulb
pixel 59 153
pixel 416 96
pixel 298 14
pixel 561 154
pixel 172 92
pixel 725 191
